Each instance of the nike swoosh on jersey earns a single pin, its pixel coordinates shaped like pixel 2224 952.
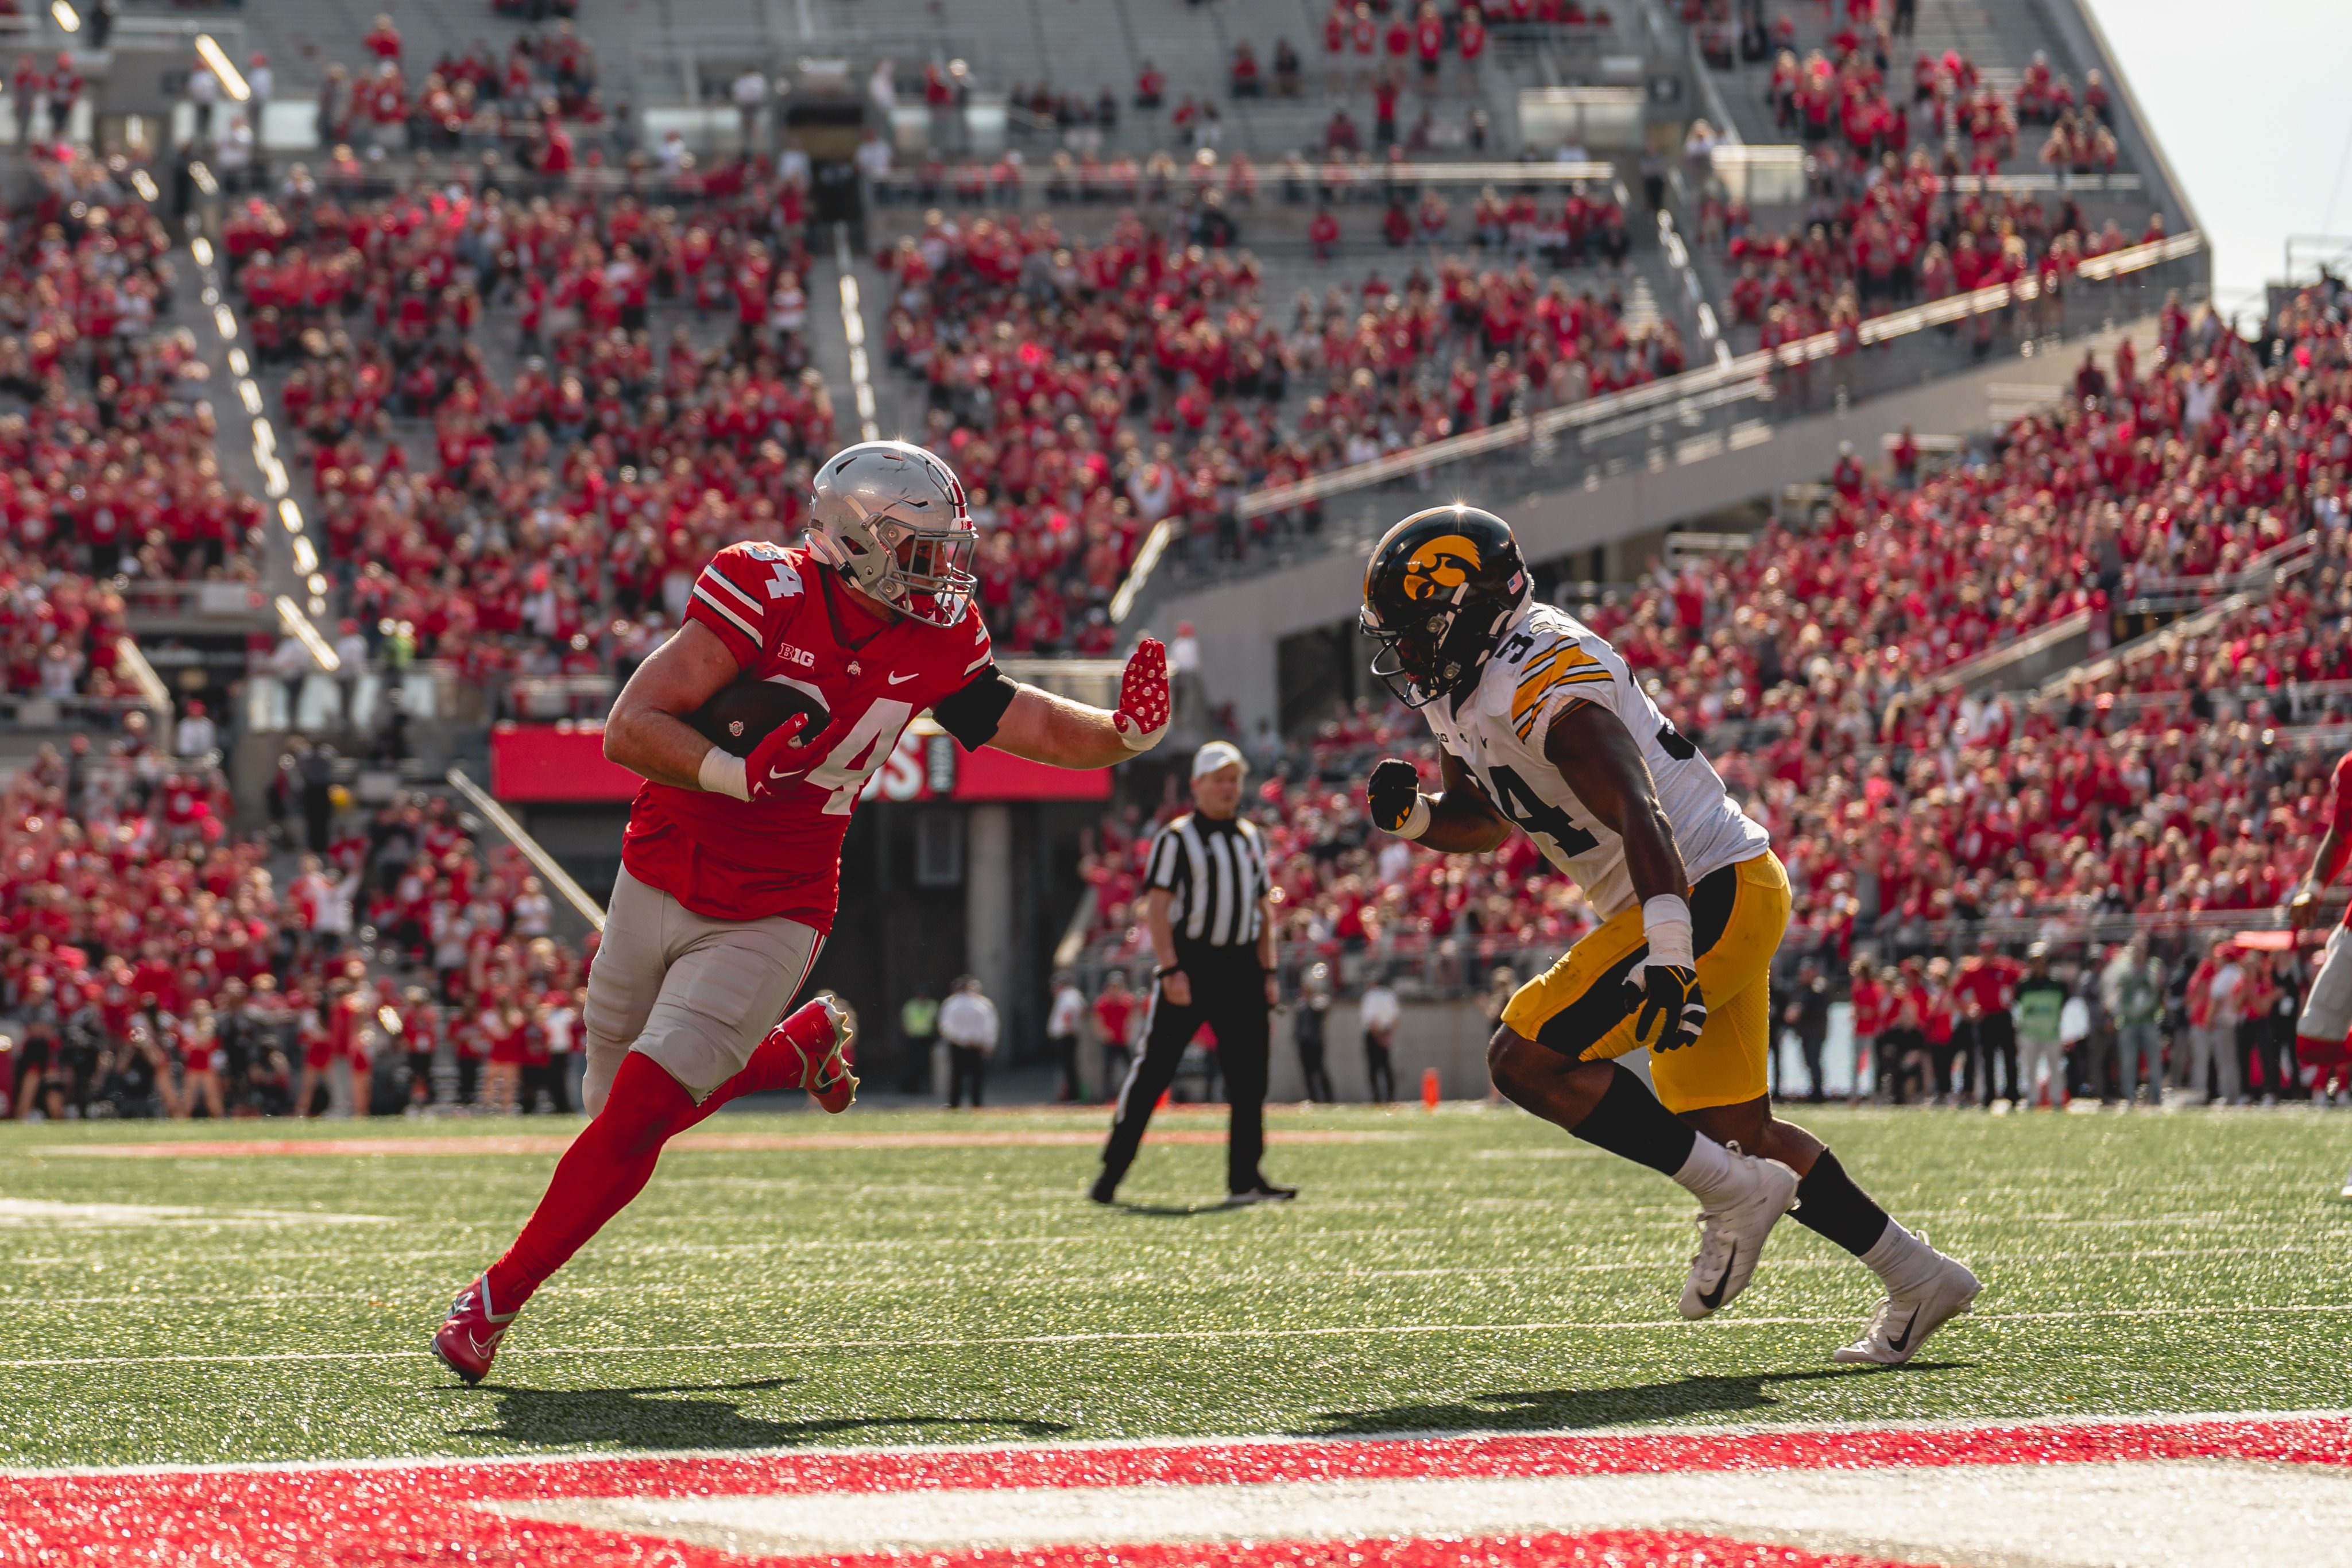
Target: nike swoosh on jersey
pixel 1713 1298
pixel 895 680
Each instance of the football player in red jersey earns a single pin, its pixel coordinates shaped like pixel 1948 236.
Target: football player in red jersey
pixel 2319 1033
pixel 731 866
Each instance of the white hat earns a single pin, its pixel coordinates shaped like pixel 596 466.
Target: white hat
pixel 1215 755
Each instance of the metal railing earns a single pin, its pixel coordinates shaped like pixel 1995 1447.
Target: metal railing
pixel 1166 177
pixel 553 872
pixel 225 599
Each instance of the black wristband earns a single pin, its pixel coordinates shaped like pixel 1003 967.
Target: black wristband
pixel 1161 974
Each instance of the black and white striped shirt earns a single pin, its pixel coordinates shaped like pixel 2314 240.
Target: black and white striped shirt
pixel 1217 868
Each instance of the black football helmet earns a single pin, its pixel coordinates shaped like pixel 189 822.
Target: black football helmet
pixel 1441 586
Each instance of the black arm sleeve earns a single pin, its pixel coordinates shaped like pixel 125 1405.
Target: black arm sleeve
pixel 972 711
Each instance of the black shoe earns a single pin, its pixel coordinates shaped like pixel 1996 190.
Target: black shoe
pixel 1263 1192
pixel 1104 1191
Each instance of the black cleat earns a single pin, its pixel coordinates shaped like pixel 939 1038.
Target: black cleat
pixel 1263 1192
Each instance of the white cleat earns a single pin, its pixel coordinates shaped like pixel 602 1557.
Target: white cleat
pixel 2347 1186
pixel 1905 1318
pixel 1732 1232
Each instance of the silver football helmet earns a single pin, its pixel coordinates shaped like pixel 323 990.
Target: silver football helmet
pixel 892 516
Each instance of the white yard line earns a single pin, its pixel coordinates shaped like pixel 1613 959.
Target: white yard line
pixel 805 1284
pixel 1146 1335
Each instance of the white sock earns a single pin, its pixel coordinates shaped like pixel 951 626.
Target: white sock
pixel 1899 1258
pixel 1709 1171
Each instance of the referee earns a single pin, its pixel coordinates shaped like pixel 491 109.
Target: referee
pixel 1206 906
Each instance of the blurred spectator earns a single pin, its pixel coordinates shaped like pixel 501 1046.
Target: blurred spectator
pixel 968 1023
pixel 1062 1024
pixel 1379 1013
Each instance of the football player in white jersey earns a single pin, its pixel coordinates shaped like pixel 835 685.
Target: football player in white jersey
pixel 1543 727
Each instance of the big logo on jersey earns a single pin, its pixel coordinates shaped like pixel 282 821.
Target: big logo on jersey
pixel 1440 567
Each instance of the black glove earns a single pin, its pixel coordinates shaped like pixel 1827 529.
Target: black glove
pixel 1391 792
pixel 1668 1011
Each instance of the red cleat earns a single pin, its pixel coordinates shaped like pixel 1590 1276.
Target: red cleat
pixel 470 1337
pixel 809 1048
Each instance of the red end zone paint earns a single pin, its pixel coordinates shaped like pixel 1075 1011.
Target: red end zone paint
pixel 419 1514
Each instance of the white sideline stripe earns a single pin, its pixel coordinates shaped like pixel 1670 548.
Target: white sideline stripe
pixel 816 1284
pixel 2145 1420
pixel 1138 1336
pixel 2087 1515
pixel 16 1211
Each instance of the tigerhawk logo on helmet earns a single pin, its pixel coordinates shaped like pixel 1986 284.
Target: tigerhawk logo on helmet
pixel 1440 588
pixel 1442 564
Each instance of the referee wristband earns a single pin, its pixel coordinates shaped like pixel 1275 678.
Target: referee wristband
pixel 1667 923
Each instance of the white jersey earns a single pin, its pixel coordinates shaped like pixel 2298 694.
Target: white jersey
pixel 1546 660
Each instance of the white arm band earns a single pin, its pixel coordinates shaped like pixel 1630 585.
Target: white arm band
pixel 722 774
pixel 1416 821
pixel 1666 922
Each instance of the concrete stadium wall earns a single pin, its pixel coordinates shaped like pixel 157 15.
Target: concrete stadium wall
pixel 1240 624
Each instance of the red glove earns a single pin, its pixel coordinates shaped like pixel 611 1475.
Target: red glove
pixel 780 761
pixel 1143 705
pixel 774 765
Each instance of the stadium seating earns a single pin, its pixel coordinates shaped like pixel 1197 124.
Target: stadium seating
pixel 1807 668
pixel 107 442
pixel 568 488
pixel 1086 390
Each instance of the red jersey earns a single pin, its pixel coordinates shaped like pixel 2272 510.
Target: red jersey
pixel 1991 981
pixel 787 618
pixel 1113 1014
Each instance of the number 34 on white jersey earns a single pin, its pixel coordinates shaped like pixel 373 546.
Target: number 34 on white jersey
pixel 1548 660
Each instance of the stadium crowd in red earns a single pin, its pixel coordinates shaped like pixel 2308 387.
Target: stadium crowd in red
pixel 539 101
pixel 1805 666
pixel 555 522
pixel 154 969
pixel 134 923
pixel 106 468
pixel 1085 391
pixel 1888 224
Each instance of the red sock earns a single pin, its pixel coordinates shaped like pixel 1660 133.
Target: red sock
pixel 783 1060
pixel 606 1165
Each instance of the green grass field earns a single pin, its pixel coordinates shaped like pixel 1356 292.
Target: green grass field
pixel 1473 1270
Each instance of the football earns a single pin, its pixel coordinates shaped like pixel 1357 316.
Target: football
pixel 748 709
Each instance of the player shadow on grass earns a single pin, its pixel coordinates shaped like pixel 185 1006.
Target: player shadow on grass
pixel 636 1418
pixel 1553 1409
pixel 1180 1211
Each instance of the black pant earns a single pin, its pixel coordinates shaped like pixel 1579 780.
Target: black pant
pixel 1380 1070
pixel 2274 1049
pixel 966 1064
pixel 1310 1065
pixel 318 817
pixel 1229 996
pixel 1996 1040
pixel 1063 1049
pixel 1809 1047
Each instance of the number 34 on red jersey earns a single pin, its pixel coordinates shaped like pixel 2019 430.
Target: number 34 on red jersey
pixel 785 618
